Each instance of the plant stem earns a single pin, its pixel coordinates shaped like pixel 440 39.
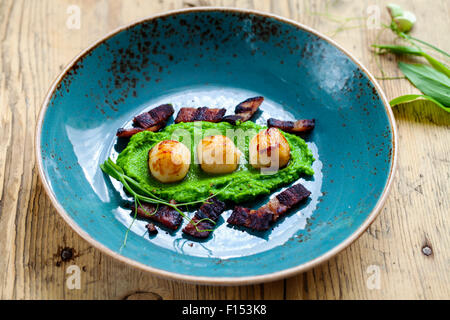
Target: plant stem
pixel 124 244
pixel 389 78
pixel 427 44
pixel 113 170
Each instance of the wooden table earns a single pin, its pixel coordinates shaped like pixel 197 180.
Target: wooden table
pixel 407 246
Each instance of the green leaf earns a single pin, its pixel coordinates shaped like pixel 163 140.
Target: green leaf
pixel 436 64
pixel 431 82
pixel 412 97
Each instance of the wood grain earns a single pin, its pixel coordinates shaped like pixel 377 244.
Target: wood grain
pixel 35 45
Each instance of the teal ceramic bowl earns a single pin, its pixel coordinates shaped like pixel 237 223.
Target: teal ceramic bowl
pixel 219 57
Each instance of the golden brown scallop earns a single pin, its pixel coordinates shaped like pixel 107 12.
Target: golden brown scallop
pixel 269 149
pixel 169 161
pixel 218 155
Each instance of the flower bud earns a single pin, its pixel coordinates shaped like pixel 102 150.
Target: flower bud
pixel 394 10
pixel 403 21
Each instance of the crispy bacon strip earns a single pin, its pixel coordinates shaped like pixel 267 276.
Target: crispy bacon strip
pixel 186 115
pixel 154 117
pixel 127 133
pixel 265 216
pixel 200 114
pixel 212 209
pixel 165 215
pixel 152 120
pixel 300 126
pixel 245 110
pixel 253 219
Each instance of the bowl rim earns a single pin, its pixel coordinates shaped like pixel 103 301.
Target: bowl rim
pixel 245 280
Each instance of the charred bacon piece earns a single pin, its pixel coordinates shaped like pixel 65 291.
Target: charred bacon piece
pixel 186 115
pixel 212 209
pixel 300 126
pixel 165 215
pixel 152 120
pixel 127 133
pixel 154 117
pixel 151 228
pixel 262 218
pixel 200 114
pixel 245 110
pixel 253 219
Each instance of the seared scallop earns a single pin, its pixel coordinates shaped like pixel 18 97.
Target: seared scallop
pixel 169 161
pixel 269 149
pixel 218 154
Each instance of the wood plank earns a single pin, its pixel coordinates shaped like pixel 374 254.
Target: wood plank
pixel 35 45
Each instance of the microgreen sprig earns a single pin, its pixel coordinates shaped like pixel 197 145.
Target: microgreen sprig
pixel 140 193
